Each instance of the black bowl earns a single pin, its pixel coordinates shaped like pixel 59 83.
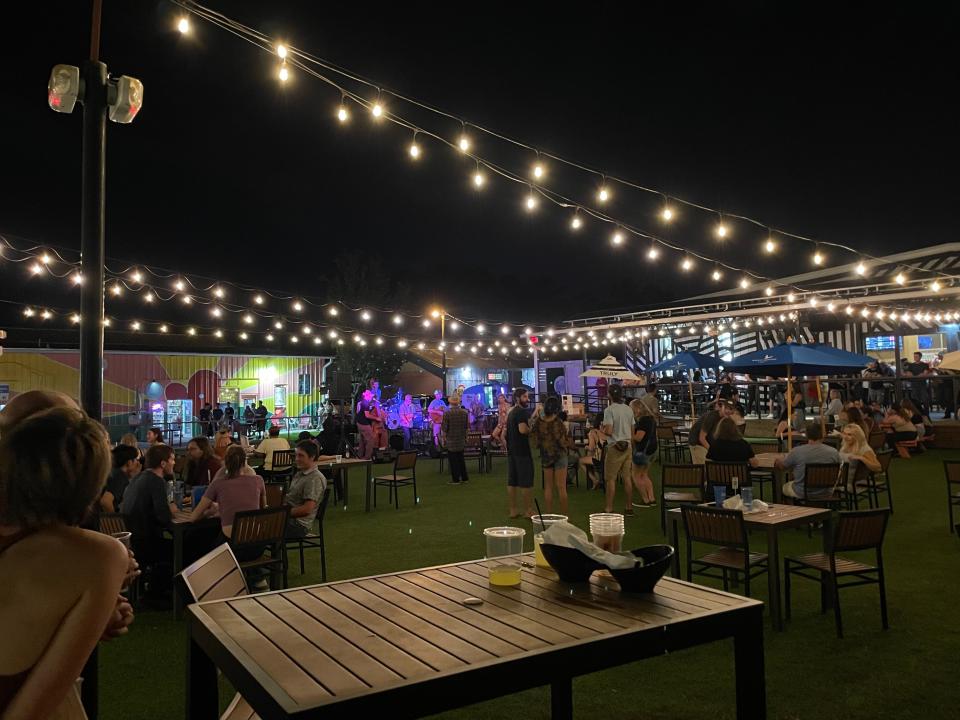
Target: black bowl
pixel 570 564
pixel 642 579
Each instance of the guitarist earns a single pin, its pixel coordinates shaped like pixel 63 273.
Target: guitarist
pixel 366 414
pixel 435 410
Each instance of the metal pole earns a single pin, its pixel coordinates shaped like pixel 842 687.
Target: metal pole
pixel 443 350
pixel 586 401
pixel 897 382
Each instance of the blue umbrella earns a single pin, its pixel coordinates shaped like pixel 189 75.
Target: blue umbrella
pixel 683 361
pixel 787 359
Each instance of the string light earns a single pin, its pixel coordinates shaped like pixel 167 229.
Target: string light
pixel 791 297
pixel 282 51
pixel 769 291
pixel 116 290
pixel 398 319
pixel 243 336
pixel 269 337
pixel 77 279
pixel 935 286
pixel 284 73
pixel 377 110
pixel 136 276
pixel 183 25
pixel 603 195
pixel 414 149
pixel 900 279
pixel 464 143
pixel 722 230
pixel 666 213
pixel 478 179
pixel 332 311
pixel 298 306
pixel 653 252
pixel 505 330
pixel 187 299
pixel 218 292
pixel 481 328
pixel 576 223
pixel 36 268
pixel 215 312
pixel 538 171
pixel 744 283
pixel 29 312
pixel 191 331
pixel 717 275
pixel 163 328
pixel 617 238
pixel 307 330
pixel 686 264
pixel 258 299
pixel 75 319
pixel 218 333
pixel 861 269
pixel 248 319
pixel 178 285
pixel 531 202
pixel 770 246
pixel 818 258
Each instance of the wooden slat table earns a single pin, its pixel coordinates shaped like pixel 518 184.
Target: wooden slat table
pixel 777 518
pixel 344 465
pixel 404 644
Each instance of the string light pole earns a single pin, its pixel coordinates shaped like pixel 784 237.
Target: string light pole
pixel 442 314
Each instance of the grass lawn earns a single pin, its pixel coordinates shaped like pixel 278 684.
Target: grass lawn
pixel 902 672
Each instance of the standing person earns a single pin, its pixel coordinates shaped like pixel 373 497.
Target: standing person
pixel 249 417
pixel 519 458
pixel 378 423
pixel 261 415
pixel 270 444
pixel 306 490
pixel 593 458
pixel 202 464
pixel 618 424
pixel 456 422
pixel 503 410
pixel 814 451
pixel 919 390
pixel 548 431
pixel 435 410
pixel 644 448
pixel 206 420
pixel 61 586
pixel 217 415
pixel 406 413
pixel 702 431
pixel 835 406
pixel 374 386
pixel 652 402
pixel 228 415
pixel 366 414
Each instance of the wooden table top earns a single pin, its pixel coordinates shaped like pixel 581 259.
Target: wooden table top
pixel 343 462
pixel 777 515
pixel 373 639
pixel 768 460
pixel 183 518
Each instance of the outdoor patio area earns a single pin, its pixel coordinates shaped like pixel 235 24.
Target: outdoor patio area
pixel 809 672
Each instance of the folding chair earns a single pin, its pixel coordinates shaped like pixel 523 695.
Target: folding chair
pixel 406 461
pixel 311 540
pixel 725 529
pixel 860 530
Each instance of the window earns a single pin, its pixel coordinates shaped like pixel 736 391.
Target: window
pixel 304 384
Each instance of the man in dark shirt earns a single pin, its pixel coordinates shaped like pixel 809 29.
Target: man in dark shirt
pixel 261 414
pixel 519 457
pixel 147 508
pixel 206 420
pixel 126 465
pixel 456 422
pixel 217 415
pixel 918 389
pixel 702 431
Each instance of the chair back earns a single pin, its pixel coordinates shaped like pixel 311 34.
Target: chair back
pixel 111 523
pixel 215 576
pixel 885 457
pixel 474 441
pixel 715 526
pixel 722 473
pixel 683 476
pixel 322 510
pixel 405 461
pixel 275 494
pixel 666 433
pixel 283 459
pixel 860 474
pixel 951 469
pixel 759 448
pixel 822 476
pixel 259 527
pixel 877 439
pixel 860 530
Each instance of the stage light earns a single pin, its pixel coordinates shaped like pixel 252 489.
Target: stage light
pixel 282 52
pixel 343 114
pixel 183 25
pixel 464 143
pixel 603 195
pixel 770 246
pixel 576 223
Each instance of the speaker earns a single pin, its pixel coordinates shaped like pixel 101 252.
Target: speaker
pixel 341 386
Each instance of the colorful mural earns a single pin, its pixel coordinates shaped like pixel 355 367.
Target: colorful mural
pixel 132 382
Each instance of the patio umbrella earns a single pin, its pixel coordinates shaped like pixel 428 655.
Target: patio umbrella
pixel 687 361
pixel 844 355
pixel 611 369
pixel 788 358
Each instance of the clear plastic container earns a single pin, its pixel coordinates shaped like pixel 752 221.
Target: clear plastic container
pixel 504 545
pixel 540 525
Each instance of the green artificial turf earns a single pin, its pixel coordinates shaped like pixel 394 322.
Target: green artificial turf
pixel 902 672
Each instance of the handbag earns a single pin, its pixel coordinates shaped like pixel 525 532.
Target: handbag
pixel 621 445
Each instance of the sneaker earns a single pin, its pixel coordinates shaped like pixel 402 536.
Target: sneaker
pixel 651 504
pixel 628 512
pixel 639 504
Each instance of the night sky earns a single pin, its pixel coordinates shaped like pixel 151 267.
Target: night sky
pixel 836 122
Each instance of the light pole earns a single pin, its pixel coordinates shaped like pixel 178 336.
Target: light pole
pixel 442 314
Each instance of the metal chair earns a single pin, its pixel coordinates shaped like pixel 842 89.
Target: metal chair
pixel 824 485
pixel 111 523
pixel 860 530
pixel 879 482
pixel 877 439
pixel 725 529
pixel 668 443
pixel 406 461
pixel 951 469
pixel 311 540
pixel 275 494
pixel 723 473
pixel 258 530
pixel 281 464
pixel 473 448
pixel 686 485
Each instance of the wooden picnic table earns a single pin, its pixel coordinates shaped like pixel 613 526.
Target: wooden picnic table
pixel 771 522
pixel 405 645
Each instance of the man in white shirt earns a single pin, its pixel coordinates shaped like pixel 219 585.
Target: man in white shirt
pixel 618 425
pixel 270 445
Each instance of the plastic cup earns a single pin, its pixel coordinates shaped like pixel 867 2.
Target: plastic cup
pixel 540 525
pixel 719 494
pixel 746 494
pixel 123 537
pixel 504 545
pixel 339 458
pixel 607 531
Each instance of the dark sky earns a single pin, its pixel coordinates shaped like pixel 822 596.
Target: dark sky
pixel 834 121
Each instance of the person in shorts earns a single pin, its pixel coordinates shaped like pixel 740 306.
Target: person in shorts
pixel 644 447
pixel 519 457
pixel 618 424
pixel 548 431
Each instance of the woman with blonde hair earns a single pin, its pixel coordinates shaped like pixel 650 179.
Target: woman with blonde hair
pixel 53 465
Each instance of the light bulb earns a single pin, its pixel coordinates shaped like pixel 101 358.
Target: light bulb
pixel 935 286
pixel 332 311
pixel 900 278
pixel 401 343
pixel 667 214
pixel 464 143
pixel 478 179
pixel 342 114
pixel 191 331
pixel 282 52
pixel 481 328
pixel 28 312
pixel 183 25
pixel 603 195
pixel 861 269
pixel 377 110
pixel 397 320
pixel 215 312
pixel 284 74
pixel 831 306
pixel 187 299
pixel 686 264
pixel 813 302
pixel 768 291
pixel 269 337
pixel 576 223
pixel 818 258
pixel 298 306
pixel 179 285
pixel 721 230
pixel 791 297
pixel 248 319
pixel 770 246
pixel 652 253
pixel 218 333
pixel 294 339
pixel 414 150
pixel 258 299
pixel 218 292
pixel 505 330
pixel 116 290
pixel 716 275
pixel 136 277
pixel 278 325
pixel 365 316
pixel 243 336
pixel 617 238
pixel 744 283
pixel 332 334
pixel 36 268
pixel 849 310
pixel 528 331
pixel 163 328
pixel 426 323
pixel 531 202
pixel 538 171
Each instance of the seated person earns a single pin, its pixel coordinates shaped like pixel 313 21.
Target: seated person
pixel 794 428
pixel 222 441
pixel 202 463
pixel 236 488
pixel 272 443
pixel 814 451
pixel 835 406
pixel 306 490
pixel 901 429
pixel 728 445
pixel 126 465
pixel 61 586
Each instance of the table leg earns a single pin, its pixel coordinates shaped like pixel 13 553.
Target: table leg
pixel 773 577
pixel 748 658
pixel 561 699
pixel 202 693
pixel 178 533
pixel 675 541
pixel 369 468
pixel 826 587
pixel 345 484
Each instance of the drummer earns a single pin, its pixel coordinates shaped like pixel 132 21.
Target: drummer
pixel 406 413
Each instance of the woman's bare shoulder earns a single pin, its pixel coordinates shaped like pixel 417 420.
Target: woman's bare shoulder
pixel 72 545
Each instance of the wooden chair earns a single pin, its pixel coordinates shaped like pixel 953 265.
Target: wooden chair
pixel 668 444
pixel 722 473
pixel 860 530
pixel 824 485
pixel 871 484
pixel 951 469
pixel 406 461
pixel 877 439
pixel 685 483
pixel 256 529
pixel 217 576
pixel 281 464
pixel 725 529
pixel 275 494
pixel 311 540
pixel 111 523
